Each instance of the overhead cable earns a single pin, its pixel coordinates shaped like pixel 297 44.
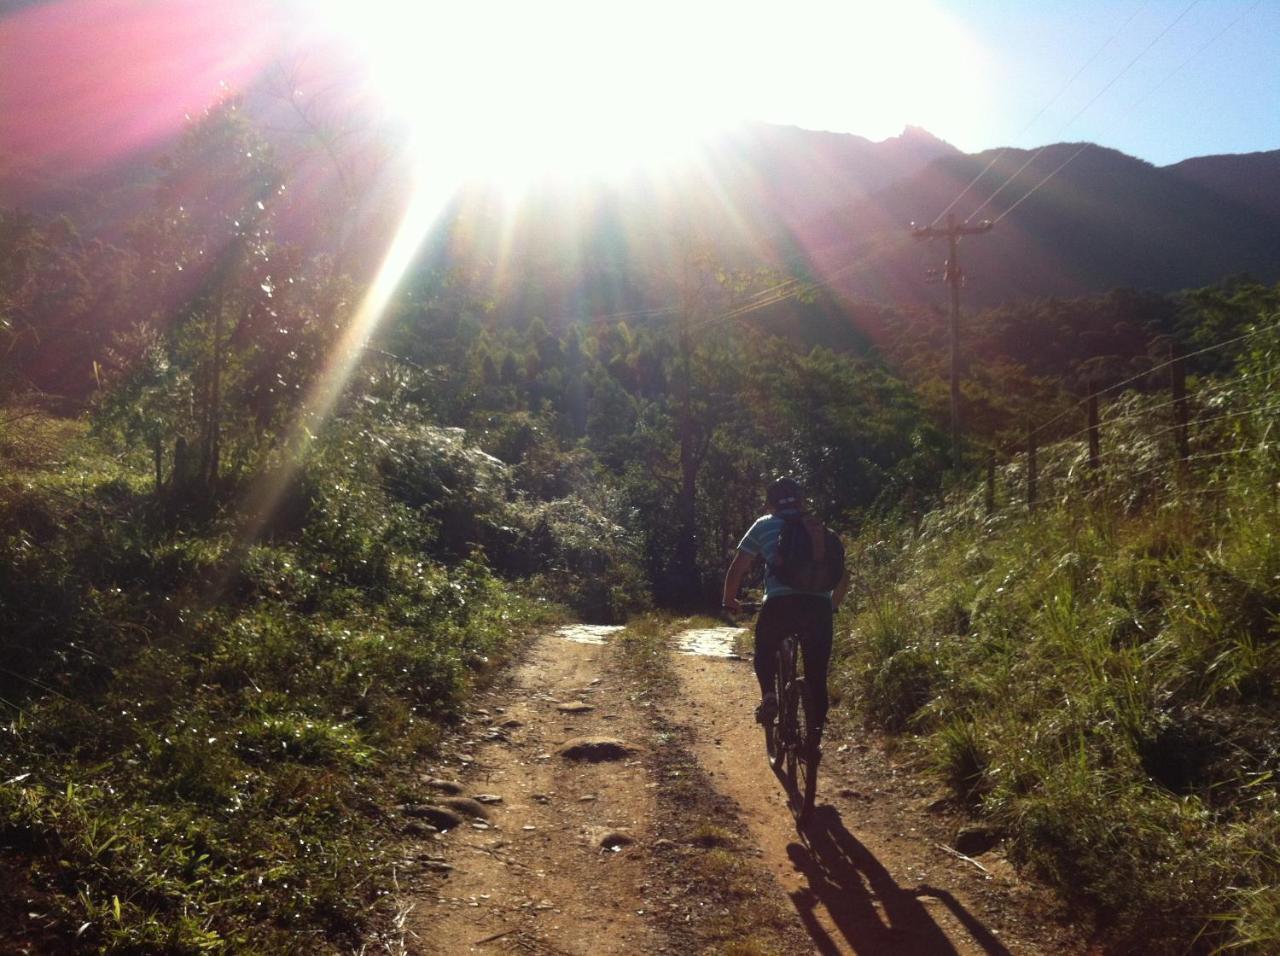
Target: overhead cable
pixel 1043 109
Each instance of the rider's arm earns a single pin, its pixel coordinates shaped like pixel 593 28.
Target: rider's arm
pixel 841 587
pixel 733 578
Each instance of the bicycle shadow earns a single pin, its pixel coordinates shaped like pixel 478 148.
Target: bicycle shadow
pixel 868 907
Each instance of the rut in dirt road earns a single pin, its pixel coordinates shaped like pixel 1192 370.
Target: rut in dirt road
pixel 610 816
pixel 550 870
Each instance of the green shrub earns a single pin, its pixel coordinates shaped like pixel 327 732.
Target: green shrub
pixel 587 559
pixel 244 701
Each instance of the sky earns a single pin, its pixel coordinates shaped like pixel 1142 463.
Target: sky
pixel 1210 84
pixel 1159 79
pixel 587 87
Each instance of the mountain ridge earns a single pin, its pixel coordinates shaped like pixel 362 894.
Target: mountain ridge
pixel 1080 218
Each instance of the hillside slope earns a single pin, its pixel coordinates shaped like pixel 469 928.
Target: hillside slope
pixel 1247 179
pixel 1098 220
pixel 777 197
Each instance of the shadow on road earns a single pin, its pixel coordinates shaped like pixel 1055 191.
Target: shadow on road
pixel 871 911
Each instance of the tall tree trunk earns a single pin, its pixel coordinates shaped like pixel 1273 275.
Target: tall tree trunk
pixel 685 560
pixel 213 414
pixel 157 453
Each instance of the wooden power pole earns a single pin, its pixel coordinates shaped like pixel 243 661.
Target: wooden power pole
pixel 954 277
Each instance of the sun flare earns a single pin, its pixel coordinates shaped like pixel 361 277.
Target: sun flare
pixel 512 92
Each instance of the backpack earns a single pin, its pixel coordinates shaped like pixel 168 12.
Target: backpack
pixel 810 556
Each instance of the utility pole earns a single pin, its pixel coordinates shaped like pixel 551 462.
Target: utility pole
pixel 954 277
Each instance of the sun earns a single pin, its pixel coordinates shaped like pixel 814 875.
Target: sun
pixel 511 92
pixel 519 91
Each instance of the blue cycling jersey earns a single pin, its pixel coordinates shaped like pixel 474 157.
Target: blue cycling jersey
pixel 762 539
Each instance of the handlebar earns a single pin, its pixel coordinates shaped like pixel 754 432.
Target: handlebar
pixel 744 607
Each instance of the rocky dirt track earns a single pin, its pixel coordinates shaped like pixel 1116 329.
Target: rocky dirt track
pixel 585 811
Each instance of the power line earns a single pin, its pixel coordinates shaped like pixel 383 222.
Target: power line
pixel 1209 390
pixel 1037 186
pixel 786 289
pixel 1148 410
pixel 1097 96
pixel 1177 69
pixel 1168 76
pixel 1259 330
pixel 1241 413
pixel 1208 456
pixel 801 286
pixel 794 286
pixel 1163 365
pixel 1043 109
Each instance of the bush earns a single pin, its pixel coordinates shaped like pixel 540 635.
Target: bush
pixel 587 559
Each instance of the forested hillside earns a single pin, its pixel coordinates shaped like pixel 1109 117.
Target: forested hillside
pixel 826 206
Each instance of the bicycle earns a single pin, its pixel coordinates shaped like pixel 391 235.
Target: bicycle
pixel 792 754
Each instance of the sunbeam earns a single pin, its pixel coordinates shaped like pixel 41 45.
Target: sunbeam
pixel 421 213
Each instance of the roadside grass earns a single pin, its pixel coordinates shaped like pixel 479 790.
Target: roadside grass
pixel 198 735
pixel 1098 678
pixel 718 899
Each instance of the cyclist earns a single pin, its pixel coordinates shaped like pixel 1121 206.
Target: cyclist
pixel 785 610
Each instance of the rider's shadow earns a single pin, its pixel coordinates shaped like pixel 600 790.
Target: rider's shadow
pixel 871 911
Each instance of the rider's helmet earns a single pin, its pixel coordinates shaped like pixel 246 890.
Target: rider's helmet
pixel 785 493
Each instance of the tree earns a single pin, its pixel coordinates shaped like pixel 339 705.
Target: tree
pixel 247 323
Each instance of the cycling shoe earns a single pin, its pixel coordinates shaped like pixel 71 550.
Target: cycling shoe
pixel 767 710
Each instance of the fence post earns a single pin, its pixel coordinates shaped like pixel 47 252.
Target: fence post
pixel 1178 380
pixel 1095 454
pixel 1031 466
pixel 991 482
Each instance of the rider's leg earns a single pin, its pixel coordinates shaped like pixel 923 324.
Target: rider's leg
pixel 769 633
pixel 776 621
pixel 815 645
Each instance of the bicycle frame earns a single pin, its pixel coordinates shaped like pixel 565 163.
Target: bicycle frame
pixel 791 753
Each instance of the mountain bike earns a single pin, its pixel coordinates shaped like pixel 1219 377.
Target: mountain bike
pixel 789 738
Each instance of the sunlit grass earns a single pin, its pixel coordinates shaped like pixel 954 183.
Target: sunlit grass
pixel 227 797
pixel 1097 678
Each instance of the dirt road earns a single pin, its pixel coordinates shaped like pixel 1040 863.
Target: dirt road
pixel 587 812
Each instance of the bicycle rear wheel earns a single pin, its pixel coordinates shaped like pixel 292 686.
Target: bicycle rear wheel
pixel 805 750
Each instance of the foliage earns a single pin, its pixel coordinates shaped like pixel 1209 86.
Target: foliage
pixel 588 556
pixel 230 328
pixel 246 699
pixel 61 297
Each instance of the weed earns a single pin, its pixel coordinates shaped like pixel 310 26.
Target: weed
pixel 962 758
pixel 710 835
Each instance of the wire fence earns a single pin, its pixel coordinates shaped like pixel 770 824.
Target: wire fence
pixel 1219 420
